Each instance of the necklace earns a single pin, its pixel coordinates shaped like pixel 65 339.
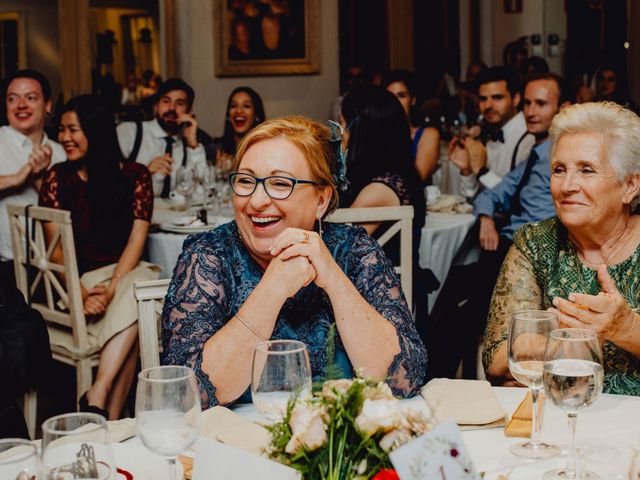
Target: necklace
pixel 615 247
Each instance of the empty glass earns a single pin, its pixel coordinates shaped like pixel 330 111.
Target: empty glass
pixel 526 346
pixel 572 377
pixel 77 445
pixel 281 369
pixel 186 183
pixel 167 411
pixel 18 459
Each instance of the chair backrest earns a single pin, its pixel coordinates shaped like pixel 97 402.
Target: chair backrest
pixel 38 274
pixel 149 295
pixel 402 224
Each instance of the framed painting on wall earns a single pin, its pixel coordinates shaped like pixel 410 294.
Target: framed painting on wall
pixel 266 37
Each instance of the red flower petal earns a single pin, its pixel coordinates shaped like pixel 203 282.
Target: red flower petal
pixel 386 474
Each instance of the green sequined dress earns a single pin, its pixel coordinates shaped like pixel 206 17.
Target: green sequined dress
pixel 559 272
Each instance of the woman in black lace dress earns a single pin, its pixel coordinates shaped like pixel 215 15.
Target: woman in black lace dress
pixel 111 202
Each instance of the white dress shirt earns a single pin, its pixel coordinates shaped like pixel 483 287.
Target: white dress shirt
pixel 499 156
pixel 153 145
pixel 15 149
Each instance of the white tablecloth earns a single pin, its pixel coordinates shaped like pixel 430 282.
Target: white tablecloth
pixel 613 421
pixel 440 239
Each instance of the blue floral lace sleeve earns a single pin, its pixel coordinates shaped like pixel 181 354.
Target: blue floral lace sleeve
pixel 372 273
pixel 194 310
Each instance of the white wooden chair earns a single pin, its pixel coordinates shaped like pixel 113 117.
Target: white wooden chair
pixel 150 297
pixel 402 218
pixel 59 301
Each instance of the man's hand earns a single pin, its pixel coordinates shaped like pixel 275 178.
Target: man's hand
pixel 190 129
pixel 40 158
pixel 489 237
pixel 477 154
pixel 459 156
pixel 162 164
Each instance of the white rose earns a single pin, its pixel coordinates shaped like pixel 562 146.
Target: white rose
pixel 394 439
pixel 379 415
pixel 307 427
pixel 380 392
pixel 418 420
pixel 334 388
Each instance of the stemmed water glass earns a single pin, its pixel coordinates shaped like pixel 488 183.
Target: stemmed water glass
pixel 77 445
pixel 186 183
pixel 528 335
pixel 167 411
pixel 281 369
pixel 18 459
pixel 573 377
pixel 209 183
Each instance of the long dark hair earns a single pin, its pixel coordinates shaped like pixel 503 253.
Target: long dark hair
pixel 228 136
pixel 379 143
pixel 109 196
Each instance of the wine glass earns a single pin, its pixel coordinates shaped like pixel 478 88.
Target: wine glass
pixel 209 183
pixel 281 369
pixel 572 377
pixel 18 459
pixel 167 411
pixel 528 335
pixel 77 445
pixel 186 183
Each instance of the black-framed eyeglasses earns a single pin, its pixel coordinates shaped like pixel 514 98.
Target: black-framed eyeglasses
pixel 276 186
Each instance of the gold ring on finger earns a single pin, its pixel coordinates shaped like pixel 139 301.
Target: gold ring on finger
pixel 306 237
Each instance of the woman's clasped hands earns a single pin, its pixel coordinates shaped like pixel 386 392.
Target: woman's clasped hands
pixel 607 313
pixel 299 258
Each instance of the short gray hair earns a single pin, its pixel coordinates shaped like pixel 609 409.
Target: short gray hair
pixel 619 126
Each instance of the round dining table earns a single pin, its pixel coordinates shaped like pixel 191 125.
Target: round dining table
pixel 607 436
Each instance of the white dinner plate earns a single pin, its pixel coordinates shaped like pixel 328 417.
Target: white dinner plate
pixel 142 463
pixel 169 227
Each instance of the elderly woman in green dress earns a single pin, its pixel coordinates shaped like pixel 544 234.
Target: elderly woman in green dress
pixel 584 264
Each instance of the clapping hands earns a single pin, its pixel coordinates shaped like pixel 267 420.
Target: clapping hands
pixel 607 313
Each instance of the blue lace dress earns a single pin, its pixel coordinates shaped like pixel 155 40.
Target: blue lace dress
pixel 215 274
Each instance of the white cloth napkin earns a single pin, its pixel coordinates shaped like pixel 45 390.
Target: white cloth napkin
pixel 470 403
pixel 223 425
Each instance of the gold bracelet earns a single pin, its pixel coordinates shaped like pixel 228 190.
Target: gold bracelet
pixel 253 330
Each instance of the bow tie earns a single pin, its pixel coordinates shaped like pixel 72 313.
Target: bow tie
pixel 495 135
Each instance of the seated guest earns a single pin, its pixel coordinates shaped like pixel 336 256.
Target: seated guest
pixel 111 202
pixel 425 141
pixel 524 195
pixel 269 275
pixel 380 170
pixel 169 140
pixel 244 111
pixel 583 263
pixel 26 152
pixel 25 357
pixel 507 143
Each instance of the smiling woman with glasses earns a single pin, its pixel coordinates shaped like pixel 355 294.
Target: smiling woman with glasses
pixel 273 273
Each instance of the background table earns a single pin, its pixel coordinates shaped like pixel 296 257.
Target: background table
pixel 440 240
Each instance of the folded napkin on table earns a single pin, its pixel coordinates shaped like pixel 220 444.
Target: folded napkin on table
pixel 521 420
pixel 450 204
pixel 470 403
pixel 223 425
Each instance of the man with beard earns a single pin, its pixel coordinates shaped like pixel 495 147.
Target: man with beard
pixel 168 141
pixel 507 141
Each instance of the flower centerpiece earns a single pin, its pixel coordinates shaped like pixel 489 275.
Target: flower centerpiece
pixel 345 431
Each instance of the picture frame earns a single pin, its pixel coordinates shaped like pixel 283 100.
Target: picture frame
pixel 266 37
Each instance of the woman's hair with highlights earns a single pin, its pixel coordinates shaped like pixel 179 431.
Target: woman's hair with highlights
pixel 310 137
